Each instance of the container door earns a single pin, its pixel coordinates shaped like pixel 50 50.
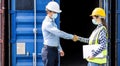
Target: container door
pixel 27 15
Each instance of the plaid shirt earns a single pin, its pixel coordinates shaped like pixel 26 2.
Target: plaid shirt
pixel 102 40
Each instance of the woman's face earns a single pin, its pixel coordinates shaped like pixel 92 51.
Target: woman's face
pixel 97 19
pixel 94 17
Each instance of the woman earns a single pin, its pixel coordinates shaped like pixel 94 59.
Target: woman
pixel 98 36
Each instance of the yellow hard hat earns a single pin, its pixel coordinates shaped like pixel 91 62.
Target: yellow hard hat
pixel 98 12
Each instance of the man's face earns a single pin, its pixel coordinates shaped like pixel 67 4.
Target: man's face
pixel 51 13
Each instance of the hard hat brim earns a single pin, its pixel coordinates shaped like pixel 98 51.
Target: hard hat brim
pixel 59 11
pixel 92 15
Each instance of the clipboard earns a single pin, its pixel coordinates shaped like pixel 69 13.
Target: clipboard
pixel 88 49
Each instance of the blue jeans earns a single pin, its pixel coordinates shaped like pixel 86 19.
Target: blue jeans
pixel 95 64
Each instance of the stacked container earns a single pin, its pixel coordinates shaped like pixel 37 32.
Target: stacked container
pixel 2 32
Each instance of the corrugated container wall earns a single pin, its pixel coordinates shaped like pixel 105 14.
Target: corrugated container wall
pixel 2 32
pixel 118 32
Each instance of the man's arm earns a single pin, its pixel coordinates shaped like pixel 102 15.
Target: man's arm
pixel 59 33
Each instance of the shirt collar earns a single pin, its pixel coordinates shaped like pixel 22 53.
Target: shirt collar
pixel 49 19
pixel 99 25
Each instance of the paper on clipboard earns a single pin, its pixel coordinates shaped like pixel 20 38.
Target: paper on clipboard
pixel 88 49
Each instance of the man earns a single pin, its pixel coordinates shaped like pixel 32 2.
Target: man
pixel 52 35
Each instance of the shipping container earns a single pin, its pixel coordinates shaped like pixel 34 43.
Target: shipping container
pixel 2 22
pixel 118 32
pixel 26 15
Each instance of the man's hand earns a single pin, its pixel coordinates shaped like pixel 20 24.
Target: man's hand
pixel 62 53
pixel 75 38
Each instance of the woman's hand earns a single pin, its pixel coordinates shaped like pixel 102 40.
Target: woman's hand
pixel 90 57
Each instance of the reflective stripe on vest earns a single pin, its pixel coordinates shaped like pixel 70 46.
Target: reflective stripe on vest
pixel 94 40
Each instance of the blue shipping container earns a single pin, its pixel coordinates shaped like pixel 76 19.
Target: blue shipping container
pixel 118 32
pixel 26 44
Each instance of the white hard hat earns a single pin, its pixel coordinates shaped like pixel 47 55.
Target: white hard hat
pixel 53 6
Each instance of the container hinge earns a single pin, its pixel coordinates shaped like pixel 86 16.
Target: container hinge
pixel 1 41
pixel 2 10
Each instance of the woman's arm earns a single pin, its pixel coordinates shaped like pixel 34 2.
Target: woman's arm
pixel 82 39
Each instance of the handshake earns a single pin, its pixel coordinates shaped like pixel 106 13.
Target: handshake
pixel 75 38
